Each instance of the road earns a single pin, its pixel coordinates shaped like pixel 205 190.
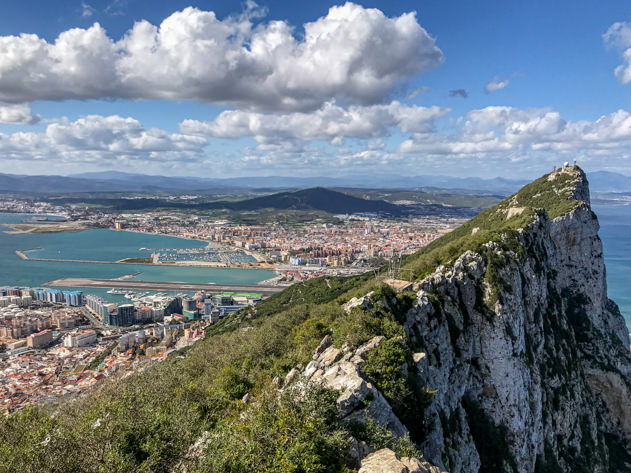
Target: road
pixel 163 286
pixel 94 320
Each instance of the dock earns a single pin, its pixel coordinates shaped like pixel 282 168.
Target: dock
pixel 163 285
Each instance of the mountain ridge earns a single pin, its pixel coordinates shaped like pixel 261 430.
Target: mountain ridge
pixel 312 199
pixel 117 181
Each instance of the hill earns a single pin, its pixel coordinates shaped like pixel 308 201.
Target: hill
pixel 606 181
pixel 315 199
pixel 509 357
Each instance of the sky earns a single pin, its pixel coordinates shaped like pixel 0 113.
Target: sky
pixel 225 89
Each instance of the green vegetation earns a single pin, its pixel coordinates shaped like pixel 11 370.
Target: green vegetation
pixel 298 431
pixel 94 364
pixel 379 437
pixel 391 368
pixel 501 222
pixel 147 422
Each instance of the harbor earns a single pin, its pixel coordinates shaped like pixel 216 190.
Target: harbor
pixel 92 254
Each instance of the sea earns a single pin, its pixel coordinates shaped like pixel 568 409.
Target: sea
pixel 110 245
pixel 102 245
pixel 615 233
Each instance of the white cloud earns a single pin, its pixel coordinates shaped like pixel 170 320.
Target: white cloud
pixel 512 132
pixel 418 91
pixel 483 140
pixel 619 36
pixel 329 123
pixel 487 141
pixel 353 54
pixel 87 10
pixel 99 139
pixel 496 84
pixel 19 114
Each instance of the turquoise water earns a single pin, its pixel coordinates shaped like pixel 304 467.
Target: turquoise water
pixel 615 233
pixel 110 245
pixel 102 245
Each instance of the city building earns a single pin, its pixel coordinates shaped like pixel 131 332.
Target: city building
pixel 40 339
pixel 124 315
pixel 80 339
pixel 73 298
pixel 98 305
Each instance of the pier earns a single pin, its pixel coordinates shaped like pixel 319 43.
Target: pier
pixel 162 285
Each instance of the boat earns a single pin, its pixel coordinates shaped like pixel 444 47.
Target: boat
pixel 129 295
pixel 116 291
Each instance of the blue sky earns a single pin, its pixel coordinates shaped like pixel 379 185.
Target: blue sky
pixel 461 88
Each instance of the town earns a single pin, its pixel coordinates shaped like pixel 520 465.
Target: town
pixel 356 243
pixel 55 343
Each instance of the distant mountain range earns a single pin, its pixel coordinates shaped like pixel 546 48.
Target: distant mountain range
pixel 113 181
pixel 284 182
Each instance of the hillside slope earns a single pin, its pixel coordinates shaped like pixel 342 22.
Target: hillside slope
pixel 508 358
pixel 315 198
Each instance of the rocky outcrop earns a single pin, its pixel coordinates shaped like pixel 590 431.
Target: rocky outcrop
pixel 386 461
pixel 532 366
pixel 340 369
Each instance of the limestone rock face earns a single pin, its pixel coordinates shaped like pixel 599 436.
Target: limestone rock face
pixel 340 369
pixel 386 461
pixel 363 302
pixel 538 378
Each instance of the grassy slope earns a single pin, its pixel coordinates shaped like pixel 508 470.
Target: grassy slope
pixel 147 422
pixel 553 196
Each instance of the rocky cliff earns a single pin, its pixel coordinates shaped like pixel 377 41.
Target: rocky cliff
pixel 528 358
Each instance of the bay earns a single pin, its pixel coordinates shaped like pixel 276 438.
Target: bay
pixel 102 245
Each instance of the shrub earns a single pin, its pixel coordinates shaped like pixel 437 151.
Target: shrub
pixel 378 437
pixel 298 431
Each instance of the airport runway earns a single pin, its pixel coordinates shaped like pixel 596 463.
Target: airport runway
pixel 163 286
